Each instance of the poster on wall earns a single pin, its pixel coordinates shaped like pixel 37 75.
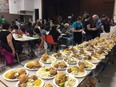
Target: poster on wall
pixel 4 6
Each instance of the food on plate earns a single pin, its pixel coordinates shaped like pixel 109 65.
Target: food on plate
pixel 44 57
pixel 33 64
pixel 21 71
pixel 57 55
pixel 87 64
pixel 77 71
pixel 74 50
pixel 47 59
pixel 14 73
pixel 19 35
pixel 62 80
pixel 91 59
pixel 70 60
pixel 76 55
pixel 66 51
pixel 23 78
pixel 46 72
pixel 48 85
pixel 84 52
pixel 98 56
pixel 59 64
pixel 89 48
pixel 32 81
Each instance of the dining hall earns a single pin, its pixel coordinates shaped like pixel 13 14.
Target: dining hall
pixel 57 43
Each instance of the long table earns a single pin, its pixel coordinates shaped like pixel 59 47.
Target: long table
pixel 13 84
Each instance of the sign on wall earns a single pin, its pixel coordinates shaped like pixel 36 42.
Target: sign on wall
pixel 4 6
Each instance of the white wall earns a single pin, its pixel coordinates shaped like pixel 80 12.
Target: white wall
pixel 12 7
pixel 15 6
pixel 29 5
pixel 115 11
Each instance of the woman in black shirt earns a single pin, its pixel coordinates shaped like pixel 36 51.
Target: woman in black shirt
pixel 88 29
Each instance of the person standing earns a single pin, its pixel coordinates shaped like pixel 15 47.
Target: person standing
pixel 87 28
pixel 97 24
pixel 105 23
pixel 77 29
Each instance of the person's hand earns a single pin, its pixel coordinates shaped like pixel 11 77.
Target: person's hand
pixel 93 29
pixel 104 32
pixel 13 53
pixel 83 32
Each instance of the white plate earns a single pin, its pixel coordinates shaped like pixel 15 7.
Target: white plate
pixel 94 60
pixel 58 58
pixel 70 76
pixel 91 64
pixel 52 59
pixel 78 76
pixel 59 69
pixel 42 84
pixel 72 63
pixel 11 79
pixel 46 78
pixel 42 65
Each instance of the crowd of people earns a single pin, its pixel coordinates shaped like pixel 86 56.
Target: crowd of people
pixel 66 33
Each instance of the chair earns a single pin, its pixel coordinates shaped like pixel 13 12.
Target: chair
pixel 49 39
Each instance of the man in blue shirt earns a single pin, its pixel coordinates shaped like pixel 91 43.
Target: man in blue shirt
pixel 77 29
pixel 97 25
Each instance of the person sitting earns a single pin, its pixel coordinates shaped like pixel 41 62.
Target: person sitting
pixel 66 38
pixel 8 43
pixel 38 35
pixel 55 34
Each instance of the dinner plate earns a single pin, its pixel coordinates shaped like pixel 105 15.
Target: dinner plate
pixel 59 69
pixel 43 75
pixel 42 65
pixel 94 60
pixel 69 76
pixel 50 60
pixel 79 75
pixel 93 65
pixel 42 84
pixel 58 58
pixel 70 61
pixel 11 79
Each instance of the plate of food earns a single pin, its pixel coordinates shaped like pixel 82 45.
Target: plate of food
pixel 76 71
pixel 84 52
pixel 60 65
pixel 91 59
pixel 32 81
pixel 87 65
pixel 66 51
pixel 77 56
pixel 47 59
pixel 48 85
pixel 63 80
pixel 98 56
pixel 13 74
pixel 71 60
pixel 33 65
pixel 57 56
pixel 46 72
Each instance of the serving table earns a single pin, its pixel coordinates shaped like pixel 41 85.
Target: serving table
pixel 13 84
